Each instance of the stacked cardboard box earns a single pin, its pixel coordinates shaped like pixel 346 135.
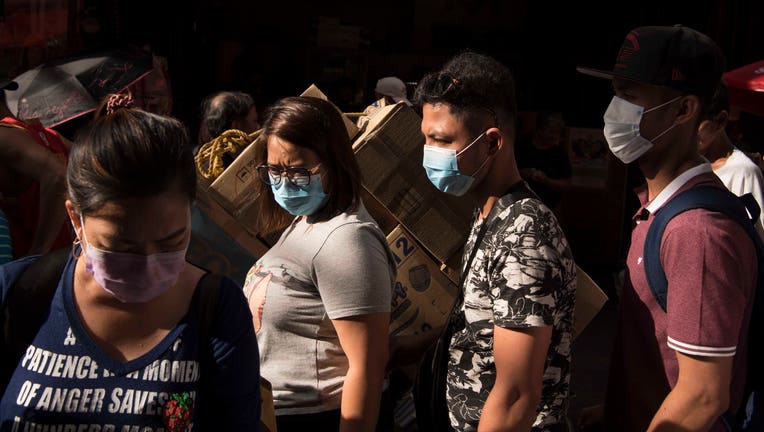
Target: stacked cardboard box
pixel 389 153
pixel 423 296
pixel 219 242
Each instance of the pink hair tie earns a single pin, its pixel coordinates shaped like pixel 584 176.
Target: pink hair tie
pixel 117 101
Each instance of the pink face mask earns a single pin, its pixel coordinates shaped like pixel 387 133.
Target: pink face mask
pixel 133 278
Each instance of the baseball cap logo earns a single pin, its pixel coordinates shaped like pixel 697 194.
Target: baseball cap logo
pixel 629 47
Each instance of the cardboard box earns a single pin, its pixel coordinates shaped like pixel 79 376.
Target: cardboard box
pixel 313 91
pixel 236 188
pixel 382 216
pixel 219 243
pixel 589 300
pixel 423 296
pixel 389 153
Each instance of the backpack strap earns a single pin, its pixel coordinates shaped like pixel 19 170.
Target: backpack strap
pixel 209 292
pixel 707 197
pixel 27 305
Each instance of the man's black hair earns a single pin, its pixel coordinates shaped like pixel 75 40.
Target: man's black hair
pixel 221 109
pixel 719 102
pixel 476 87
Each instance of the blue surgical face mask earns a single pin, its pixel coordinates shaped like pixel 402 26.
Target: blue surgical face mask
pixel 442 169
pixel 300 200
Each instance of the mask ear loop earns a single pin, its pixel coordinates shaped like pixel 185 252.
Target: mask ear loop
pixel 77 241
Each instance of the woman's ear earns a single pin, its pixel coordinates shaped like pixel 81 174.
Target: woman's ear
pixel 74 218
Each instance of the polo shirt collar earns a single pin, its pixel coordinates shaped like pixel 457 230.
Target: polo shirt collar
pixel 676 184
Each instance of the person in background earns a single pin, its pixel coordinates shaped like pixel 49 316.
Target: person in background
pixel 682 368
pixel 127 304
pixel 733 167
pixel 227 110
pixel 321 295
pixel 543 162
pixel 33 162
pixel 389 90
pixel 392 89
pixel 509 356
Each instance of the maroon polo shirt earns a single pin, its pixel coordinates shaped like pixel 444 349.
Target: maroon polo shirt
pixel 711 268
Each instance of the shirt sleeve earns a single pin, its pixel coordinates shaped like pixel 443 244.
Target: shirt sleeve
pixel 353 272
pixel 529 274
pixel 236 376
pixel 710 266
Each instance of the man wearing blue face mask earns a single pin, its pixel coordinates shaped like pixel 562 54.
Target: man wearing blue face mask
pixel 679 360
pixel 509 334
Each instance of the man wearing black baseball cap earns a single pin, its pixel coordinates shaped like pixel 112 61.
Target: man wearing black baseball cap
pixel 682 368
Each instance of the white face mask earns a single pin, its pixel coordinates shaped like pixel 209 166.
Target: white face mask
pixel 622 120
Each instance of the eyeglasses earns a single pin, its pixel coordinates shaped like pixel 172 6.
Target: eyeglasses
pixel 297 176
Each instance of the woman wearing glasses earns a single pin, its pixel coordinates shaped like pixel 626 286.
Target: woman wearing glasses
pixel 321 296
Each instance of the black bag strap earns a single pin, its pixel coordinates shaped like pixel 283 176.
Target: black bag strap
pixel 516 192
pixel 26 306
pixel 430 387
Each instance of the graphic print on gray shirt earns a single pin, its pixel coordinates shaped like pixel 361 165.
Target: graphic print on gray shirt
pixel 316 272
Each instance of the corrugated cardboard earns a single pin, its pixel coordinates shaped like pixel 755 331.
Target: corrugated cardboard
pixel 217 214
pixel 236 190
pixel 389 153
pixel 386 220
pixel 313 91
pixel 423 296
pixel 589 300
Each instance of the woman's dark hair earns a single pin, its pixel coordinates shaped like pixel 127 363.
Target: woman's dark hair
pixel 129 153
pixel 476 87
pixel 313 124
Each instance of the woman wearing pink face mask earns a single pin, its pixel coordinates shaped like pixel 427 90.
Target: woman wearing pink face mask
pixel 135 339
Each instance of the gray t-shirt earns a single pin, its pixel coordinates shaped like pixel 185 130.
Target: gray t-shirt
pixel 316 272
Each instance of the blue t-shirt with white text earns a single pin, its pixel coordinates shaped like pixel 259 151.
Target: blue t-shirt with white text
pixel 65 382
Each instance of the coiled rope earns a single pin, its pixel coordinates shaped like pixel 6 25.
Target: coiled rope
pixel 209 159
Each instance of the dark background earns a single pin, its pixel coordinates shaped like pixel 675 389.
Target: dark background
pixel 274 49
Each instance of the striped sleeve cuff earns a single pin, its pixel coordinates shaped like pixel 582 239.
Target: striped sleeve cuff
pixel 702 351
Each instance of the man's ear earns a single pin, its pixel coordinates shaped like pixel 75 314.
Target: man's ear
pixel 689 107
pixel 496 140
pixel 722 119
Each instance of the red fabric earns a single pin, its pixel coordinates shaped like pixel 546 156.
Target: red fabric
pixel 23 211
pixel 746 87
pixel 710 265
